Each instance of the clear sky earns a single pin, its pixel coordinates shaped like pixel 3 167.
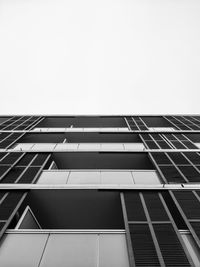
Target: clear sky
pixel 99 56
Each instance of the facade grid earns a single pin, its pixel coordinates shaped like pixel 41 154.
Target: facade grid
pixel 91 191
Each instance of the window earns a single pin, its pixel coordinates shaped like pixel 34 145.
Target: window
pixel 53 177
pixel 79 146
pixel 112 146
pixel 67 146
pixel 22 249
pixel 40 129
pixel 64 249
pixel 77 129
pixel 23 146
pixel 84 177
pixel 100 177
pixel 28 220
pixel 145 177
pixel 134 146
pixel 43 146
pixel 73 209
pixel 114 177
pixel 89 146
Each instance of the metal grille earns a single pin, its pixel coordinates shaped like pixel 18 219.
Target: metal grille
pixel 154 236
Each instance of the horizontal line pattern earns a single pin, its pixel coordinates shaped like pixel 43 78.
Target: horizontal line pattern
pixel 170 246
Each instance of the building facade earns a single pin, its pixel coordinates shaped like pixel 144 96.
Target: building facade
pixel 99 191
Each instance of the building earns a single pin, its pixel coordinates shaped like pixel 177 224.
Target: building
pixel 99 191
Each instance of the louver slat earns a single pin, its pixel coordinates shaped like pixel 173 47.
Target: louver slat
pixel 134 207
pixel 26 160
pixel 189 144
pixel 178 145
pixel 189 204
pixel 8 205
pixel 11 158
pixel 152 145
pixel 160 158
pixel 164 145
pixel 29 175
pixel 155 207
pixel 190 173
pixel 13 175
pixel 171 174
pixel 193 157
pixel 143 247
pixel 178 158
pixel 170 246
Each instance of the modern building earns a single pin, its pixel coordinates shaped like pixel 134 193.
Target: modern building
pixel 99 191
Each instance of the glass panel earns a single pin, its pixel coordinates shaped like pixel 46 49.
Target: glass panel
pixel 112 146
pixel 123 129
pixel 45 147
pixel 146 177
pixel 90 146
pixel 78 250
pixel 23 146
pixel 116 177
pixel 84 177
pixel 56 129
pixel 28 220
pixel 53 177
pixel 41 130
pixel 74 129
pixel 77 129
pixel 108 129
pixel 22 250
pixel 66 146
pixel 134 146
pixel 91 129
pixel 53 166
pixel 113 251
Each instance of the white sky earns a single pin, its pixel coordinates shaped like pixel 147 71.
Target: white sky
pixel 99 56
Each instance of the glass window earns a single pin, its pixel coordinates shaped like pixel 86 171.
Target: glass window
pixel 117 177
pixel 78 129
pixel 146 177
pixel 113 251
pixel 22 250
pixel 123 129
pixel 46 147
pixel 56 129
pixel 112 146
pixel 108 129
pixel 53 177
pixel 84 177
pixel 78 250
pixel 40 129
pixel 53 166
pixel 66 146
pixel 74 129
pixel 89 146
pixel 60 249
pixel 28 220
pixel 91 129
pixel 23 146
pixel 134 146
